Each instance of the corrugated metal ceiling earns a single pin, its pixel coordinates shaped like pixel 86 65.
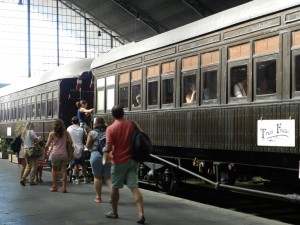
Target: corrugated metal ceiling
pixel 135 20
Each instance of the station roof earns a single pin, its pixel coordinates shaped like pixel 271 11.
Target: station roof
pixel 136 20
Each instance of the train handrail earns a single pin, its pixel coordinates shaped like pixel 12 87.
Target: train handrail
pixel 288 197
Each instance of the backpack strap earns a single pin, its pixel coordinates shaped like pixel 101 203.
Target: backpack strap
pixel 135 127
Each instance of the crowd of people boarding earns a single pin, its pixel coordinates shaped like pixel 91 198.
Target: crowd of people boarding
pixel 118 169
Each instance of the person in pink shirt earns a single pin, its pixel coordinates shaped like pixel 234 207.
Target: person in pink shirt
pixel 57 139
pixel 123 168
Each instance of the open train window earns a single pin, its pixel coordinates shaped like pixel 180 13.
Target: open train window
pixel 238 81
pixel 23 116
pixel 209 80
pixel 153 86
pixel 265 73
pixel 167 79
pixel 136 89
pixel 189 82
pixel 124 89
pixel 15 110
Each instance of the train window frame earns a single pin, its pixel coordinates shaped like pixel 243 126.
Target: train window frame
pixel 260 59
pixel 49 104
pixel 164 78
pixel 100 95
pixel 188 74
pixel 55 104
pixel 43 105
pixel 152 80
pixel 238 99
pixel 38 106
pixel 110 82
pixel 295 93
pixel 204 70
pixel 136 106
pixel 136 78
pixel 124 90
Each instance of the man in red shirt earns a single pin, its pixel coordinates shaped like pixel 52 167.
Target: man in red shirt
pixel 118 140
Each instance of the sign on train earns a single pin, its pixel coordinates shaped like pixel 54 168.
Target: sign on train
pixel 279 133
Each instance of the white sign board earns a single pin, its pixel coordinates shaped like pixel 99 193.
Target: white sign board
pixel 8 131
pixel 279 133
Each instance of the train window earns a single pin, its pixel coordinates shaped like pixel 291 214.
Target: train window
pixel 110 92
pixel 38 106
pixel 153 93
pixel 266 45
pixel 238 79
pixel 49 104
pixel 20 109
pixel 266 77
pixel 15 110
pixel 100 94
pixel 136 95
pixel 152 86
pixel 28 108
pixel 23 116
pixel 136 84
pixel 55 99
pixel 209 80
pixel 33 107
pixel 167 77
pixel 43 105
pixel 167 91
pixel 124 89
pixel 189 87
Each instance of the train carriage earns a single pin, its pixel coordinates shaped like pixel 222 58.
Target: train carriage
pixel 41 99
pixel 212 94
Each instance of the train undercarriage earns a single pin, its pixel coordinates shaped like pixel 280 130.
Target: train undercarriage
pixel 167 174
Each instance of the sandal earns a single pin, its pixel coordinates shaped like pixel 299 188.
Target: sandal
pixel 53 189
pixel 64 190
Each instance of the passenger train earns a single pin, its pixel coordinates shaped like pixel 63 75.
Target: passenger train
pixel 219 98
pixel 43 98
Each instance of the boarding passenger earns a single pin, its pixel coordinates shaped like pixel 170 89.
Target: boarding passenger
pixel 118 141
pixel 78 135
pixel 100 170
pixel 59 155
pixel 84 114
pixel 29 138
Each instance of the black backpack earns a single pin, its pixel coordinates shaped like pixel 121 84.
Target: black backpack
pixel 141 146
pixel 15 145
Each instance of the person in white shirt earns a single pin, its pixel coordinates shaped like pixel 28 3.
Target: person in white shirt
pixel 240 89
pixel 78 135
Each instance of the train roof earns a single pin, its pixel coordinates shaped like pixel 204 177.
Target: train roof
pixel 70 70
pixel 242 13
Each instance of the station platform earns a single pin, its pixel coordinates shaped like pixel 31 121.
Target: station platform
pixel 35 205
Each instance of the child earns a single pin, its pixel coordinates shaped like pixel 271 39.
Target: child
pixel 41 163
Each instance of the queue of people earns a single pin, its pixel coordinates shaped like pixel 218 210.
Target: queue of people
pixel 118 168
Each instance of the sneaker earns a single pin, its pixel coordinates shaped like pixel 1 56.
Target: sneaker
pixel 141 220
pixel 53 189
pixel 77 181
pixel 98 199
pixel 85 180
pixel 64 190
pixel 111 215
pixel 22 182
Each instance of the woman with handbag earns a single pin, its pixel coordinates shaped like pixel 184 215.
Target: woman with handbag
pixel 29 138
pixel 59 139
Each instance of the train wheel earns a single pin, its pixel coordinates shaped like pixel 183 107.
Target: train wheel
pixel 167 181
